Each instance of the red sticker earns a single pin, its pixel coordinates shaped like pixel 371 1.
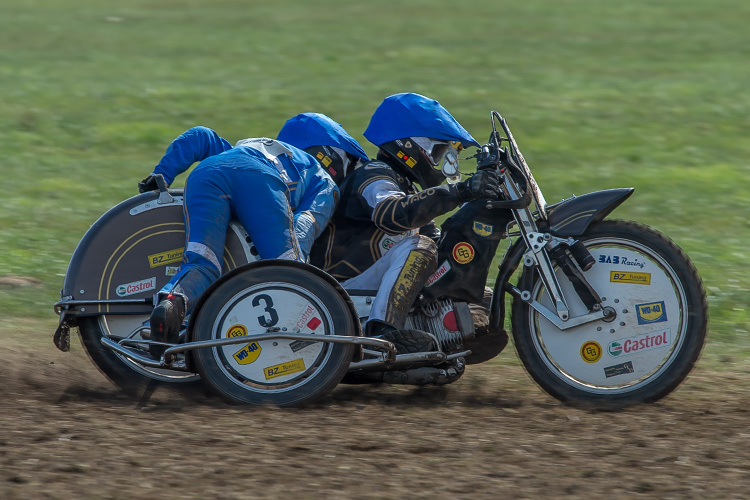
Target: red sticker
pixel 313 324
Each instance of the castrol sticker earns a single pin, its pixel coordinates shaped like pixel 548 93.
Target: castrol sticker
pixel 463 253
pixel 660 339
pixel 136 287
pixel 439 273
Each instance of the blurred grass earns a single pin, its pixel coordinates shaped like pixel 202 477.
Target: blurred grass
pixel 599 95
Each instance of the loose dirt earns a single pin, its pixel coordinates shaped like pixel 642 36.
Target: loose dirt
pixel 66 432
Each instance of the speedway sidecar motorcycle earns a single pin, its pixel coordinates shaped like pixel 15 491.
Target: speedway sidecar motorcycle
pixel 605 313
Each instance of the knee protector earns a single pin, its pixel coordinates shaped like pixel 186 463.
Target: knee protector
pixel 419 265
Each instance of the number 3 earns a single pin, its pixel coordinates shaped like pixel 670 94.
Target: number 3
pixel 268 308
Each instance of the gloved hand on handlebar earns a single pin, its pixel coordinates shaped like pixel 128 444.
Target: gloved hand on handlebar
pixel 485 184
pixel 148 184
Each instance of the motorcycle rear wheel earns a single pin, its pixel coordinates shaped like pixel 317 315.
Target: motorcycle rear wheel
pixel 646 351
pixel 130 376
pixel 273 372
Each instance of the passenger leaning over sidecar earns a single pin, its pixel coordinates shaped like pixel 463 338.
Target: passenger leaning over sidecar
pixel 281 195
pixel 382 234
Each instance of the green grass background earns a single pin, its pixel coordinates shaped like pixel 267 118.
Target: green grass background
pixel 599 94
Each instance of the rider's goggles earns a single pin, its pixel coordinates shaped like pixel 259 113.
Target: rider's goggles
pixel 447 151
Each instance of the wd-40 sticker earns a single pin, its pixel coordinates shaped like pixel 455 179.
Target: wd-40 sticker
pixel 628 277
pixel 247 354
pixel 136 287
pixel 653 312
pixel 645 342
pixel 281 369
pixel 164 258
pixel 620 260
pixel 482 229
pixel 444 268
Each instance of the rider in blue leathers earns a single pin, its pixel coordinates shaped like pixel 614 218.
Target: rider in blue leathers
pixel 282 196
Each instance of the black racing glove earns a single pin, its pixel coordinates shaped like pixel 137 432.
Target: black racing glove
pixel 485 184
pixel 148 184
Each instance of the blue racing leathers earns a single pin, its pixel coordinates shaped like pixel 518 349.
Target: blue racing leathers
pixel 280 194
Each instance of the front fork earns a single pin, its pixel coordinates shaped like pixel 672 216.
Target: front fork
pixel 569 255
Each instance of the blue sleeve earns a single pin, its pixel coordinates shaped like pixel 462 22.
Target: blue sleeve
pixel 191 146
pixel 317 203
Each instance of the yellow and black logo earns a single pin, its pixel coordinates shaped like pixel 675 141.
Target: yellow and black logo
pixel 463 253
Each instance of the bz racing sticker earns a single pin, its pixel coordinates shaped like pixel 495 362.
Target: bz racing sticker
pixel 164 258
pixel 281 369
pixel 591 351
pixel 653 312
pixel 463 253
pixel 630 277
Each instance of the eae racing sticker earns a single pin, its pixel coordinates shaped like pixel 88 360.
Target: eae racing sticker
pixel 645 342
pixel 136 287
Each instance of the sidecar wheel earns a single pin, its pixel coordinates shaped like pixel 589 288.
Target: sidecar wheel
pixel 127 374
pixel 274 372
pixel 646 351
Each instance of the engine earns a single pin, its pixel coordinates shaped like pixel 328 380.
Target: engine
pixel 450 322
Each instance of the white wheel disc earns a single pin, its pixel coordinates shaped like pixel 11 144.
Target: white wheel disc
pixel 621 355
pixel 272 365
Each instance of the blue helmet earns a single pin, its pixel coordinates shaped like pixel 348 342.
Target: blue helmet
pixel 412 115
pixel 324 139
pixel 416 133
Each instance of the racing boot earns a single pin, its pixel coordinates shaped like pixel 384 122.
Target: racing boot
pixel 406 341
pixel 166 321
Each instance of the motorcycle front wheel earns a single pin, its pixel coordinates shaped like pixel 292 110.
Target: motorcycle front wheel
pixel 642 354
pixel 281 372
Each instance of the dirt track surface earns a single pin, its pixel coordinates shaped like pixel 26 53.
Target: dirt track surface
pixel 66 432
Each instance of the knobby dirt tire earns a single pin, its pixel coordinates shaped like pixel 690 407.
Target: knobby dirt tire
pixel 277 296
pixel 569 364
